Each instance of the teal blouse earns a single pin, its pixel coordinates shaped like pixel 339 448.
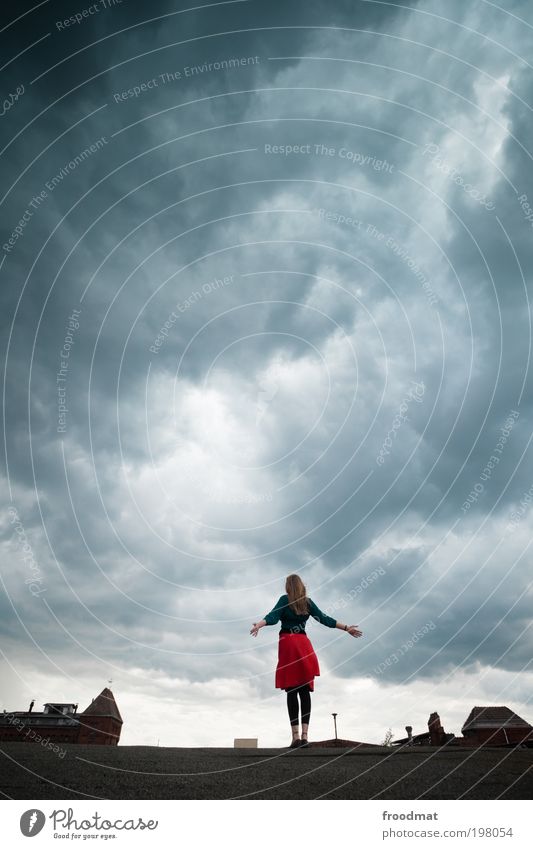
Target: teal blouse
pixel 295 622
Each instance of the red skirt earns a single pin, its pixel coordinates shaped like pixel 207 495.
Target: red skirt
pixel 297 662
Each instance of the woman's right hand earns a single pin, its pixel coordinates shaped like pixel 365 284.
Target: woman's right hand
pixel 354 631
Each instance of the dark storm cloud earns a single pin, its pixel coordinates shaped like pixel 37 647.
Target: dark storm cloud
pixel 252 324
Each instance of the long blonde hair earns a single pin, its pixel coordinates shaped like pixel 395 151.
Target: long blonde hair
pixel 295 589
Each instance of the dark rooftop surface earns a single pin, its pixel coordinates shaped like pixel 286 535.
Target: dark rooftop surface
pixel 29 771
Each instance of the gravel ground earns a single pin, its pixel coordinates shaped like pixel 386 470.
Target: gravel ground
pixel 30 771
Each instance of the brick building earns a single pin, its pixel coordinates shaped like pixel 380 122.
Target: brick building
pixel 495 726
pixel 484 726
pixel 100 723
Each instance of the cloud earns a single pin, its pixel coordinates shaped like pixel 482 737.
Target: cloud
pixel 268 259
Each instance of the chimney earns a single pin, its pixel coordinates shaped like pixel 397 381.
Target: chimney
pixel 31 705
pixel 436 731
pixel 409 729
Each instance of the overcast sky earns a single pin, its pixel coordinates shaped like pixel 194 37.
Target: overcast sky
pixel 265 309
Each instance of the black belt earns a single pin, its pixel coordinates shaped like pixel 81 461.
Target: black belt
pixel 296 631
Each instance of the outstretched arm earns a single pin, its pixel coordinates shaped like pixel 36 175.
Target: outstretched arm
pixel 271 618
pixel 256 626
pixel 351 629
pixel 329 622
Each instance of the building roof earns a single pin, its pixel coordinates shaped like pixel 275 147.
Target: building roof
pixel 340 743
pixel 37 718
pixel 493 717
pixel 416 739
pixel 103 705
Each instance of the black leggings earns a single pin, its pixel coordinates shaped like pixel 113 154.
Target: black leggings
pixel 292 703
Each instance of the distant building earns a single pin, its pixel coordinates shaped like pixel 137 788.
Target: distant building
pixel 423 739
pixel 485 726
pixel 338 743
pixel 100 723
pixel 495 726
pixel 434 736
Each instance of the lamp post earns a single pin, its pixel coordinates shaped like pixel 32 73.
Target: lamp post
pixel 334 715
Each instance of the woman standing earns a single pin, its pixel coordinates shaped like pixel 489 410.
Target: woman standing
pixel 297 661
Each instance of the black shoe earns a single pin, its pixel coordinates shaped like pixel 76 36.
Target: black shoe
pixel 303 743
pixel 295 744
